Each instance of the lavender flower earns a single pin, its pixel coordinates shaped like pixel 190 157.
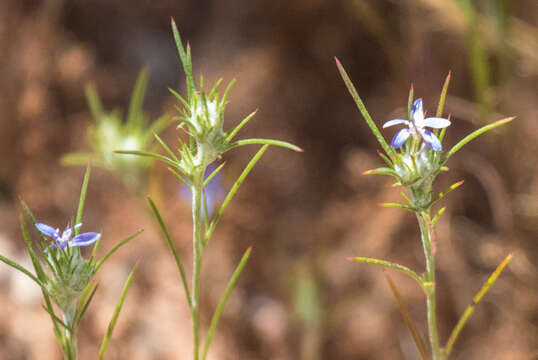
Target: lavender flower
pixel 64 239
pixel 416 128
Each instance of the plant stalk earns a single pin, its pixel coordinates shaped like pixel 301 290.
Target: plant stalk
pixel 424 222
pixel 70 347
pixel 197 189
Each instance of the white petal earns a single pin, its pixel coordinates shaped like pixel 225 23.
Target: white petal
pixel 435 122
pixel 394 122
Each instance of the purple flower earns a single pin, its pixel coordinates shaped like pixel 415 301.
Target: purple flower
pixel 416 128
pixel 64 239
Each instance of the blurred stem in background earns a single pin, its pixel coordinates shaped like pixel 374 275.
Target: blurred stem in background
pixel 309 309
pixel 479 65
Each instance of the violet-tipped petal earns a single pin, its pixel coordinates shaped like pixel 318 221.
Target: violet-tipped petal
pixel 84 239
pixel 48 230
pixel 400 138
pixel 432 141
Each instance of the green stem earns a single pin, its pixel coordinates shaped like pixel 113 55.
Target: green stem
pixel 197 257
pixel 70 336
pixel 424 222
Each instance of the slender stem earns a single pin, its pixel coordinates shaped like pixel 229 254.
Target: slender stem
pixel 197 258
pixel 70 336
pixel 429 277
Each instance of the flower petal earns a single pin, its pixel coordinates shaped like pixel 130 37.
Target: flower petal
pixel 85 239
pixel 417 115
pixel 431 140
pixel 48 230
pixel 400 138
pixel 394 122
pixel 435 122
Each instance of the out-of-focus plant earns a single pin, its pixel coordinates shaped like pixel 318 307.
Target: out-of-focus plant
pixel 65 277
pixel 110 133
pixel 414 159
pixel 202 116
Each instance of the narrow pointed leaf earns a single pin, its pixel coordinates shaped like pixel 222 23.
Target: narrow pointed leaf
pixel 364 112
pixel 449 189
pixel 56 319
pixel 180 178
pixel 85 301
pixel 185 59
pixel 442 98
pixel 148 154
pixel 226 92
pixel 406 198
pixel 438 215
pixel 166 148
pixel 222 303
pixel 475 134
pixel 283 144
pixel 390 265
pixel 470 309
pixel 402 306
pixel 180 98
pixel 214 89
pixel 215 172
pixel 234 189
pixel 21 268
pixel 37 265
pixel 410 102
pixel 399 206
pixel 27 241
pixel 240 126
pixel 117 311
pixel 94 250
pixel 174 251
pixel 443 131
pixel 380 171
pixel 116 248
pixel 82 198
pixel 386 159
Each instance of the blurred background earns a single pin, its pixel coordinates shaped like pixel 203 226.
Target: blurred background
pixel 304 214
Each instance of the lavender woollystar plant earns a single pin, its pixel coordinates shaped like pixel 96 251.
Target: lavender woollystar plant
pixel 415 168
pixel 65 276
pixel 416 128
pixel 64 239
